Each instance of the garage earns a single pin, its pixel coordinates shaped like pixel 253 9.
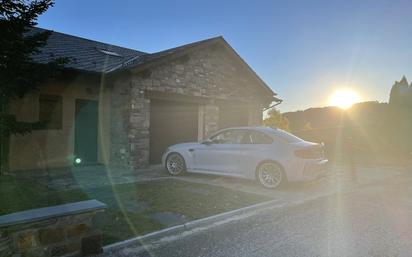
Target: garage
pixel 171 122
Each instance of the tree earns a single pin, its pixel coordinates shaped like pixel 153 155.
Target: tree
pixel 276 120
pixel 19 74
pixel 307 126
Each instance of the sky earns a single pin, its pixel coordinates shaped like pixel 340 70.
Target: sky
pixel 304 50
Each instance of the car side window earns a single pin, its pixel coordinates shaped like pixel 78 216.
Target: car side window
pixel 229 137
pixel 260 138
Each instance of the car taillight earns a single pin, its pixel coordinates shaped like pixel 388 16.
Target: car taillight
pixel 310 153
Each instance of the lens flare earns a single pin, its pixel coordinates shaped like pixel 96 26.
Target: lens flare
pixel 78 160
pixel 344 98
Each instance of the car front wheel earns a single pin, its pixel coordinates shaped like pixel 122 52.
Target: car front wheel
pixel 270 175
pixel 175 164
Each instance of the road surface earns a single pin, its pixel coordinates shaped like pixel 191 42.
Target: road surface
pixel 372 220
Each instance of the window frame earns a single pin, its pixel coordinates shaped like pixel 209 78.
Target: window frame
pixel 250 134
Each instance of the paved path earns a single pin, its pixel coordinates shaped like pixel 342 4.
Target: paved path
pixel 370 217
pixel 92 176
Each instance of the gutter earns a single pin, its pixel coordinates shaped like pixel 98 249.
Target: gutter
pixel 277 100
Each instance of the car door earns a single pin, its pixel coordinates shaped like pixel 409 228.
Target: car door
pixel 256 146
pixel 221 154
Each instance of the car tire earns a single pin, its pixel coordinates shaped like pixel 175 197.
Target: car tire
pixel 270 175
pixel 175 164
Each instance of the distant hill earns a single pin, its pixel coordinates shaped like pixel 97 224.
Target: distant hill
pixel 372 112
pixel 372 127
pixel 314 118
pixel 366 113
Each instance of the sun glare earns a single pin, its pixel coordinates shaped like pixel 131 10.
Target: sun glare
pixel 344 98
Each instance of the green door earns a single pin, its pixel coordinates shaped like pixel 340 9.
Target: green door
pixel 85 132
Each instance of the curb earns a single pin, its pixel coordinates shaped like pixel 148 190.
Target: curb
pixel 189 225
pixel 226 215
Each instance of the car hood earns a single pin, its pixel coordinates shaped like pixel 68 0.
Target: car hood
pixel 184 145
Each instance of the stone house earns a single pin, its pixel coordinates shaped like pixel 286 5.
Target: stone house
pixel 118 106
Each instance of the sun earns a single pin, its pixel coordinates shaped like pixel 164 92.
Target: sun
pixel 344 98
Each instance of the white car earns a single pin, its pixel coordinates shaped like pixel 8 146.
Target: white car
pixel 271 156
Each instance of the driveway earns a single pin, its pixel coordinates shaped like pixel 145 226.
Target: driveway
pixel 338 179
pixel 369 217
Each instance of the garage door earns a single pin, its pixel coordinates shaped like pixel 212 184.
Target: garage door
pixel 171 122
pixel 233 115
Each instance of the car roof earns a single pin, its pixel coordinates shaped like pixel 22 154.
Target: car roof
pixel 256 128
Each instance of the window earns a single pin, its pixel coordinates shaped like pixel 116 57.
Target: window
pixel 50 111
pixel 231 136
pixel 260 138
pixel 288 136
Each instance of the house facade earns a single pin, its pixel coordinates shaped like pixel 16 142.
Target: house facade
pixel 123 107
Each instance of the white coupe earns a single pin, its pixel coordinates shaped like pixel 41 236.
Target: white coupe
pixel 271 156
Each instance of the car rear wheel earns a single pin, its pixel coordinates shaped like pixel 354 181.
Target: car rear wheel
pixel 270 175
pixel 175 164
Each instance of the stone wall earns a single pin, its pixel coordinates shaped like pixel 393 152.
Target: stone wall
pixel 211 119
pixel 210 73
pixel 51 235
pixel 119 125
pixel 139 125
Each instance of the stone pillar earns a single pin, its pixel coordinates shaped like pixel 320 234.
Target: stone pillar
pixel 211 119
pixel 255 115
pixel 200 123
pixel 119 119
pixel 139 129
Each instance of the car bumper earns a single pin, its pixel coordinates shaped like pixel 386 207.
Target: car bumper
pixel 315 169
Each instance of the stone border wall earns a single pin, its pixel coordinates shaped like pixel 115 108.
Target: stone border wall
pixel 51 231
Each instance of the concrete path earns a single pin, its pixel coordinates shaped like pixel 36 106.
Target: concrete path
pixel 92 176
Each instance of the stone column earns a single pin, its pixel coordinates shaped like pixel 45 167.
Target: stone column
pixel 211 119
pixel 119 119
pixel 255 115
pixel 139 129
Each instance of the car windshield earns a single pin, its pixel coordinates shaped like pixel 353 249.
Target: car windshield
pixel 205 128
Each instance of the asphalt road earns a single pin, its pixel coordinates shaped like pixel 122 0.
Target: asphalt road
pixel 375 220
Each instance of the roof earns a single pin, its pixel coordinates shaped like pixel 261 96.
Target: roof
pixel 93 56
pixel 84 54
pixel 158 55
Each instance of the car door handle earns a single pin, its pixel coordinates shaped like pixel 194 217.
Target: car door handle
pixel 191 150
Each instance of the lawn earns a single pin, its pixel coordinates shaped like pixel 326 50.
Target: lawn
pixel 18 194
pixel 133 209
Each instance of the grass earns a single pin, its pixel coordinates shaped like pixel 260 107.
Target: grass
pixel 19 194
pixel 130 206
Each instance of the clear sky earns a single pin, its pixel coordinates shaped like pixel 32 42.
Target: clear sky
pixel 304 50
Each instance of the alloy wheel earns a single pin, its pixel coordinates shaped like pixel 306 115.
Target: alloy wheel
pixel 175 164
pixel 270 175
